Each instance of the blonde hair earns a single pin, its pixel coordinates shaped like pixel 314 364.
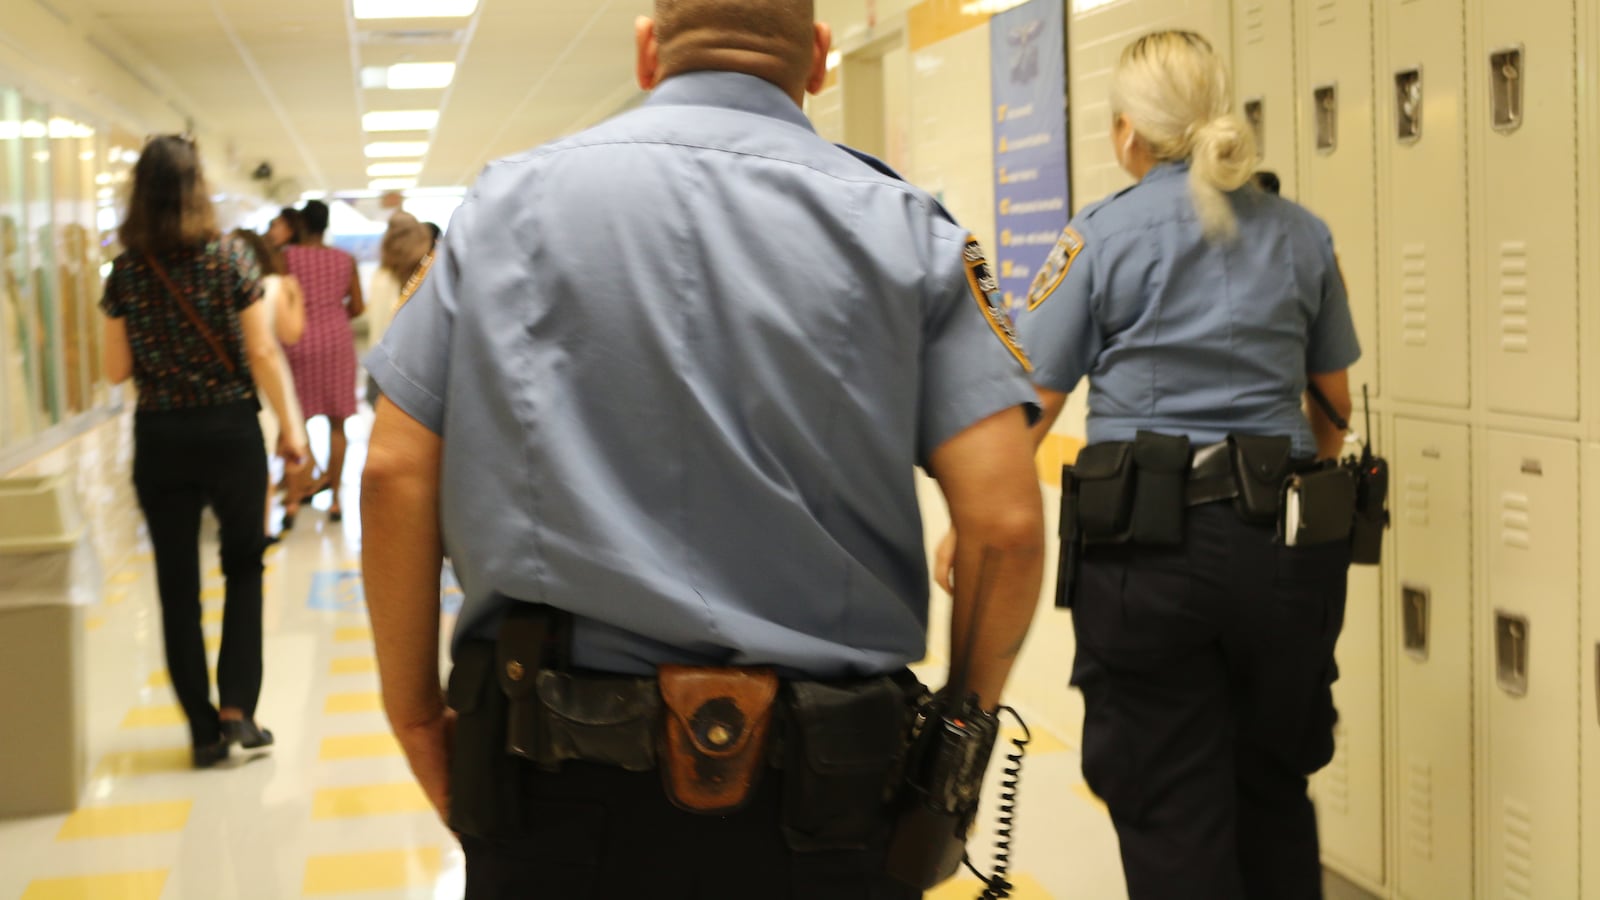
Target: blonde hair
pixel 1174 89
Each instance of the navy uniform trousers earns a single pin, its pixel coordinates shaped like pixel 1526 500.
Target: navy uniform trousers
pixel 1206 670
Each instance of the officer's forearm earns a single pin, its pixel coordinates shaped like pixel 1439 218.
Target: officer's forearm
pixel 401 557
pixel 997 591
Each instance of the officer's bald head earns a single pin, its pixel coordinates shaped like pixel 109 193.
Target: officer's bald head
pixel 778 40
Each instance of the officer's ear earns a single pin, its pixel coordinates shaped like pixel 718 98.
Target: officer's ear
pixel 822 42
pixel 648 65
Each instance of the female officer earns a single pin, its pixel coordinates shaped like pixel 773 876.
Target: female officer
pixel 1200 308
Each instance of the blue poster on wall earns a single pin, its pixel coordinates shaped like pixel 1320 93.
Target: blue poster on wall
pixel 1032 192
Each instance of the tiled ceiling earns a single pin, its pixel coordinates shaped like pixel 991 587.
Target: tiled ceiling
pixel 282 79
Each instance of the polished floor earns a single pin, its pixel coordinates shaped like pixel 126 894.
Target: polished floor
pixel 331 811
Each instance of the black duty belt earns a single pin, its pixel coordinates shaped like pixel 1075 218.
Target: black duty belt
pixel 1211 476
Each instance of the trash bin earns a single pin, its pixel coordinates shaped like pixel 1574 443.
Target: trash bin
pixel 49 573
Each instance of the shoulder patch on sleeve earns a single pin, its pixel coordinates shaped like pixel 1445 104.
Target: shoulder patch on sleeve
pixel 1055 267
pixel 986 290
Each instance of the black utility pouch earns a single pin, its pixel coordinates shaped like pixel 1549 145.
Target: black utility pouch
pixel 1261 466
pixel 1162 462
pixel 1071 552
pixel 609 721
pixel 1106 478
pixel 841 746
pixel 483 797
pixel 1319 507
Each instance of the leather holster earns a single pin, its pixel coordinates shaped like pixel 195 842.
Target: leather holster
pixel 714 735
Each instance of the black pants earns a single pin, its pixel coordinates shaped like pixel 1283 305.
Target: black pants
pixel 1206 672
pixel 183 462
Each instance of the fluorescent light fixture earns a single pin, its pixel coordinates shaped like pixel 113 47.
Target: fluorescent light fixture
pixel 313 195
pixel 87 156
pixel 421 76
pixel 414 9
pixel 61 129
pixel 397 149
pixel 391 169
pixel 391 184
pixel 401 120
pixel 103 178
pixel 130 156
pixel 834 58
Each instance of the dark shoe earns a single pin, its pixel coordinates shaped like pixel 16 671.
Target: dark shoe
pixel 271 539
pixel 288 520
pixel 208 755
pixel 248 735
pixel 336 514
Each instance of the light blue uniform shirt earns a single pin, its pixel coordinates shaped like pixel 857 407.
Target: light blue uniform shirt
pixel 684 365
pixel 1182 335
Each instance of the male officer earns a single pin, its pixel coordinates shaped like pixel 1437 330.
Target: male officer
pixel 660 399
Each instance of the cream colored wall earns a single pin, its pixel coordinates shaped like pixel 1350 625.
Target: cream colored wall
pixel 952 150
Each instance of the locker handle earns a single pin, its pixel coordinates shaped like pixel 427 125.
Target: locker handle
pixel 1255 113
pixel 1507 75
pixel 1408 105
pixel 1597 680
pixel 1511 652
pixel 1415 603
pixel 1325 107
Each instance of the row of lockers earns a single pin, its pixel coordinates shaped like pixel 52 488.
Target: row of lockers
pixel 1445 158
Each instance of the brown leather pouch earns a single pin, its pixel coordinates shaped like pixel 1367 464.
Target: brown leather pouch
pixel 714 740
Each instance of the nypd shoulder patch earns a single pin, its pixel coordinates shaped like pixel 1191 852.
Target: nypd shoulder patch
pixel 1055 267
pixel 986 290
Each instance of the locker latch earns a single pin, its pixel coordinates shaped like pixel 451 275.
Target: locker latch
pixel 1511 652
pixel 1506 71
pixel 1415 600
pixel 1325 103
pixel 1255 113
pixel 1408 105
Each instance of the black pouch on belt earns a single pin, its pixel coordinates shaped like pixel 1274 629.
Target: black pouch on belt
pixel 1319 507
pixel 483 798
pixel 597 719
pixel 519 655
pixel 1162 462
pixel 1105 475
pixel 714 740
pixel 1261 466
pixel 840 746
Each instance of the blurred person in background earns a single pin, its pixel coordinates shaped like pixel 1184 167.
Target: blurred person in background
pixel 324 360
pixel 406 249
pixel 288 229
pixel 182 319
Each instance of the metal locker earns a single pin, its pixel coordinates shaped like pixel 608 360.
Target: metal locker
pixel 1528 670
pixel 1350 792
pixel 1523 126
pixel 1338 171
pixel 1423 215
pixel 1589 651
pixel 1431 501
pixel 1264 86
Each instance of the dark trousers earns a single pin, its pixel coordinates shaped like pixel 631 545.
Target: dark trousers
pixel 183 462
pixel 1206 671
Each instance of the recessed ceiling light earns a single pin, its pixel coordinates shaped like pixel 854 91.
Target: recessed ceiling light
pixel 421 76
pixel 391 184
pixel 395 149
pixel 413 9
pixel 389 169
pixel 401 120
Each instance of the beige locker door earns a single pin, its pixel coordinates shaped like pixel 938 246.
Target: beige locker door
pixel 1423 214
pixel 1432 508
pixel 1264 85
pixel 1337 178
pixel 1525 122
pixel 1528 669
pixel 1589 649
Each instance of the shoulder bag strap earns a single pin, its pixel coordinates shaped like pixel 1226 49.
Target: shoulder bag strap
pixel 194 317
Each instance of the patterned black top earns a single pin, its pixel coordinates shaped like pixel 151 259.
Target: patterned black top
pixel 173 364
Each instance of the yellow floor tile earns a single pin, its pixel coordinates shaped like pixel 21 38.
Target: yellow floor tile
pixel 154 717
pixel 116 597
pixel 383 871
pixel 213 643
pixel 133 763
pixel 353 665
pixel 93 623
pixel 214 572
pixel 352 634
pixel 122 886
pixel 121 821
pixel 213 593
pixel 211 617
pixel 358 746
pixel 1082 790
pixel 353 702
pixel 1023 888
pixel 125 578
pixel 370 800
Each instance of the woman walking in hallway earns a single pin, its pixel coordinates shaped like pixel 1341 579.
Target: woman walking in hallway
pixel 324 361
pixel 183 322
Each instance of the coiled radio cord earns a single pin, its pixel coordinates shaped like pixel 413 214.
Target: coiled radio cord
pixel 997 886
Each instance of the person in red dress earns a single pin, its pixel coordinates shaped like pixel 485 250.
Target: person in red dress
pixel 324 361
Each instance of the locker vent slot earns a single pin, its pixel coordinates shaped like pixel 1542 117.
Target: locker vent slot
pixel 1255 23
pixel 1416 601
pixel 1255 113
pixel 1505 89
pixel 1518 851
pixel 1419 810
pixel 1514 297
pixel 1534 467
pixel 1516 523
pixel 1417 501
pixel 1414 294
pixel 1325 103
pixel 1327 12
pixel 1511 653
pixel 1333 790
pixel 1408 105
pixel 1431 453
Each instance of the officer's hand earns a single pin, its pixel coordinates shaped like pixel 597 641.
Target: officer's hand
pixel 427 748
pixel 944 563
